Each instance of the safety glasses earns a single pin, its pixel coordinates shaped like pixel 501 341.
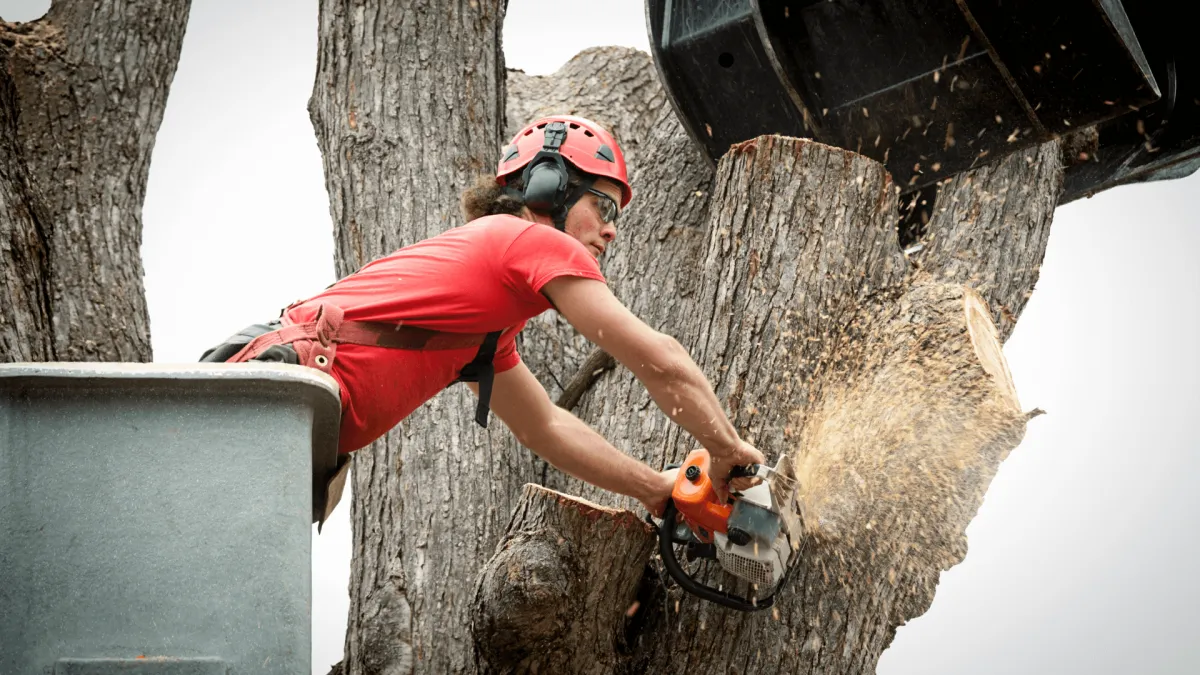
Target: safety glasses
pixel 608 209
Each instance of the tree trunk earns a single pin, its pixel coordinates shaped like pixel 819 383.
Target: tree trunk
pixel 83 91
pixel 408 107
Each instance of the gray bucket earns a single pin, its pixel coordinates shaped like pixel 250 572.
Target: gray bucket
pixel 158 519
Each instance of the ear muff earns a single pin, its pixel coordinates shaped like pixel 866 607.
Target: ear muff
pixel 545 180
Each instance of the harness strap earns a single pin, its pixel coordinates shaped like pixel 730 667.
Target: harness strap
pixel 559 215
pixel 328 328
pixel 316 343
pixel 482 370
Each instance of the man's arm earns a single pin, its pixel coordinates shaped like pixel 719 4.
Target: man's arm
pixel 562 439
pixel 663 366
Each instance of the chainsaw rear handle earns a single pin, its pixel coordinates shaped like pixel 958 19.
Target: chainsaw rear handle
pixel 666 531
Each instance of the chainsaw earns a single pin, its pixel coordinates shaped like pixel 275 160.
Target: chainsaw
pixel 753 536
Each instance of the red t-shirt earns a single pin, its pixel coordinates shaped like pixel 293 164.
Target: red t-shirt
pixel 484 276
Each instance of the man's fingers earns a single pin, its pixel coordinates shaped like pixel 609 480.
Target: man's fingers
pixel 744 483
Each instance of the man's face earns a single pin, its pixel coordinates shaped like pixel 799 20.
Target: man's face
pixel 584 221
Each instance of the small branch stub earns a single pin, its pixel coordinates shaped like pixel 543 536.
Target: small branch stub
pixel 555 596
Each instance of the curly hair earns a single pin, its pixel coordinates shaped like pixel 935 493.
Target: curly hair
pixel 486 197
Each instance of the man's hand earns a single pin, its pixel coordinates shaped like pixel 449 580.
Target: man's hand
pixel 743 454
pixel 656 500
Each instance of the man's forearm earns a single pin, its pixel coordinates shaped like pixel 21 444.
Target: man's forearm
pixel 574 448
pixel 681 390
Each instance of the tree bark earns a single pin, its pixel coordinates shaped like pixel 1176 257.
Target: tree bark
pixel 614 86
pixel 83 91
pixel 408 108
pixel 25 332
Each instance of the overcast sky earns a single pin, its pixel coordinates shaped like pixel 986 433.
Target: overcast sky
pixel 1082 558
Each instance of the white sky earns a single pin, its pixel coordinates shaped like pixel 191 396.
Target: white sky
pixel 1081 558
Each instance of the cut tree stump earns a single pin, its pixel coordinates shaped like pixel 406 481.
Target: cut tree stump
pixel 555 596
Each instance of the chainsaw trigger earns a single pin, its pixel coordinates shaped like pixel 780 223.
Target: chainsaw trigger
pixel 683 535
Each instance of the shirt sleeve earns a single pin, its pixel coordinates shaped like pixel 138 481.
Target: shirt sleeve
pixel 506 357
pixel 541 254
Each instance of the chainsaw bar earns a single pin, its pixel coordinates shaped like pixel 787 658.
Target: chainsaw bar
pixel 785 492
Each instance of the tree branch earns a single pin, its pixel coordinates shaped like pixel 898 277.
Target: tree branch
pixel 990 227
pixel 596 364
pixel 91 81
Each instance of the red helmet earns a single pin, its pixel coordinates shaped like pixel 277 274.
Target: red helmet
pixel 587 146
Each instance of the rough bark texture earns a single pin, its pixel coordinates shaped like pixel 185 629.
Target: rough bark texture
pixel 25 333
pixel 551 596
pixel 615 86
pixel 408 107
pixel 84 89
pixel 990 226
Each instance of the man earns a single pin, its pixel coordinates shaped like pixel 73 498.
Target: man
pixel 448 309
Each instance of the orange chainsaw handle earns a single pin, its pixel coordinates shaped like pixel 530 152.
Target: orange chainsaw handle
pixel 696 498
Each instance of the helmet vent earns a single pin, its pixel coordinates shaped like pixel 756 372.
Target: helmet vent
pixel 588 133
